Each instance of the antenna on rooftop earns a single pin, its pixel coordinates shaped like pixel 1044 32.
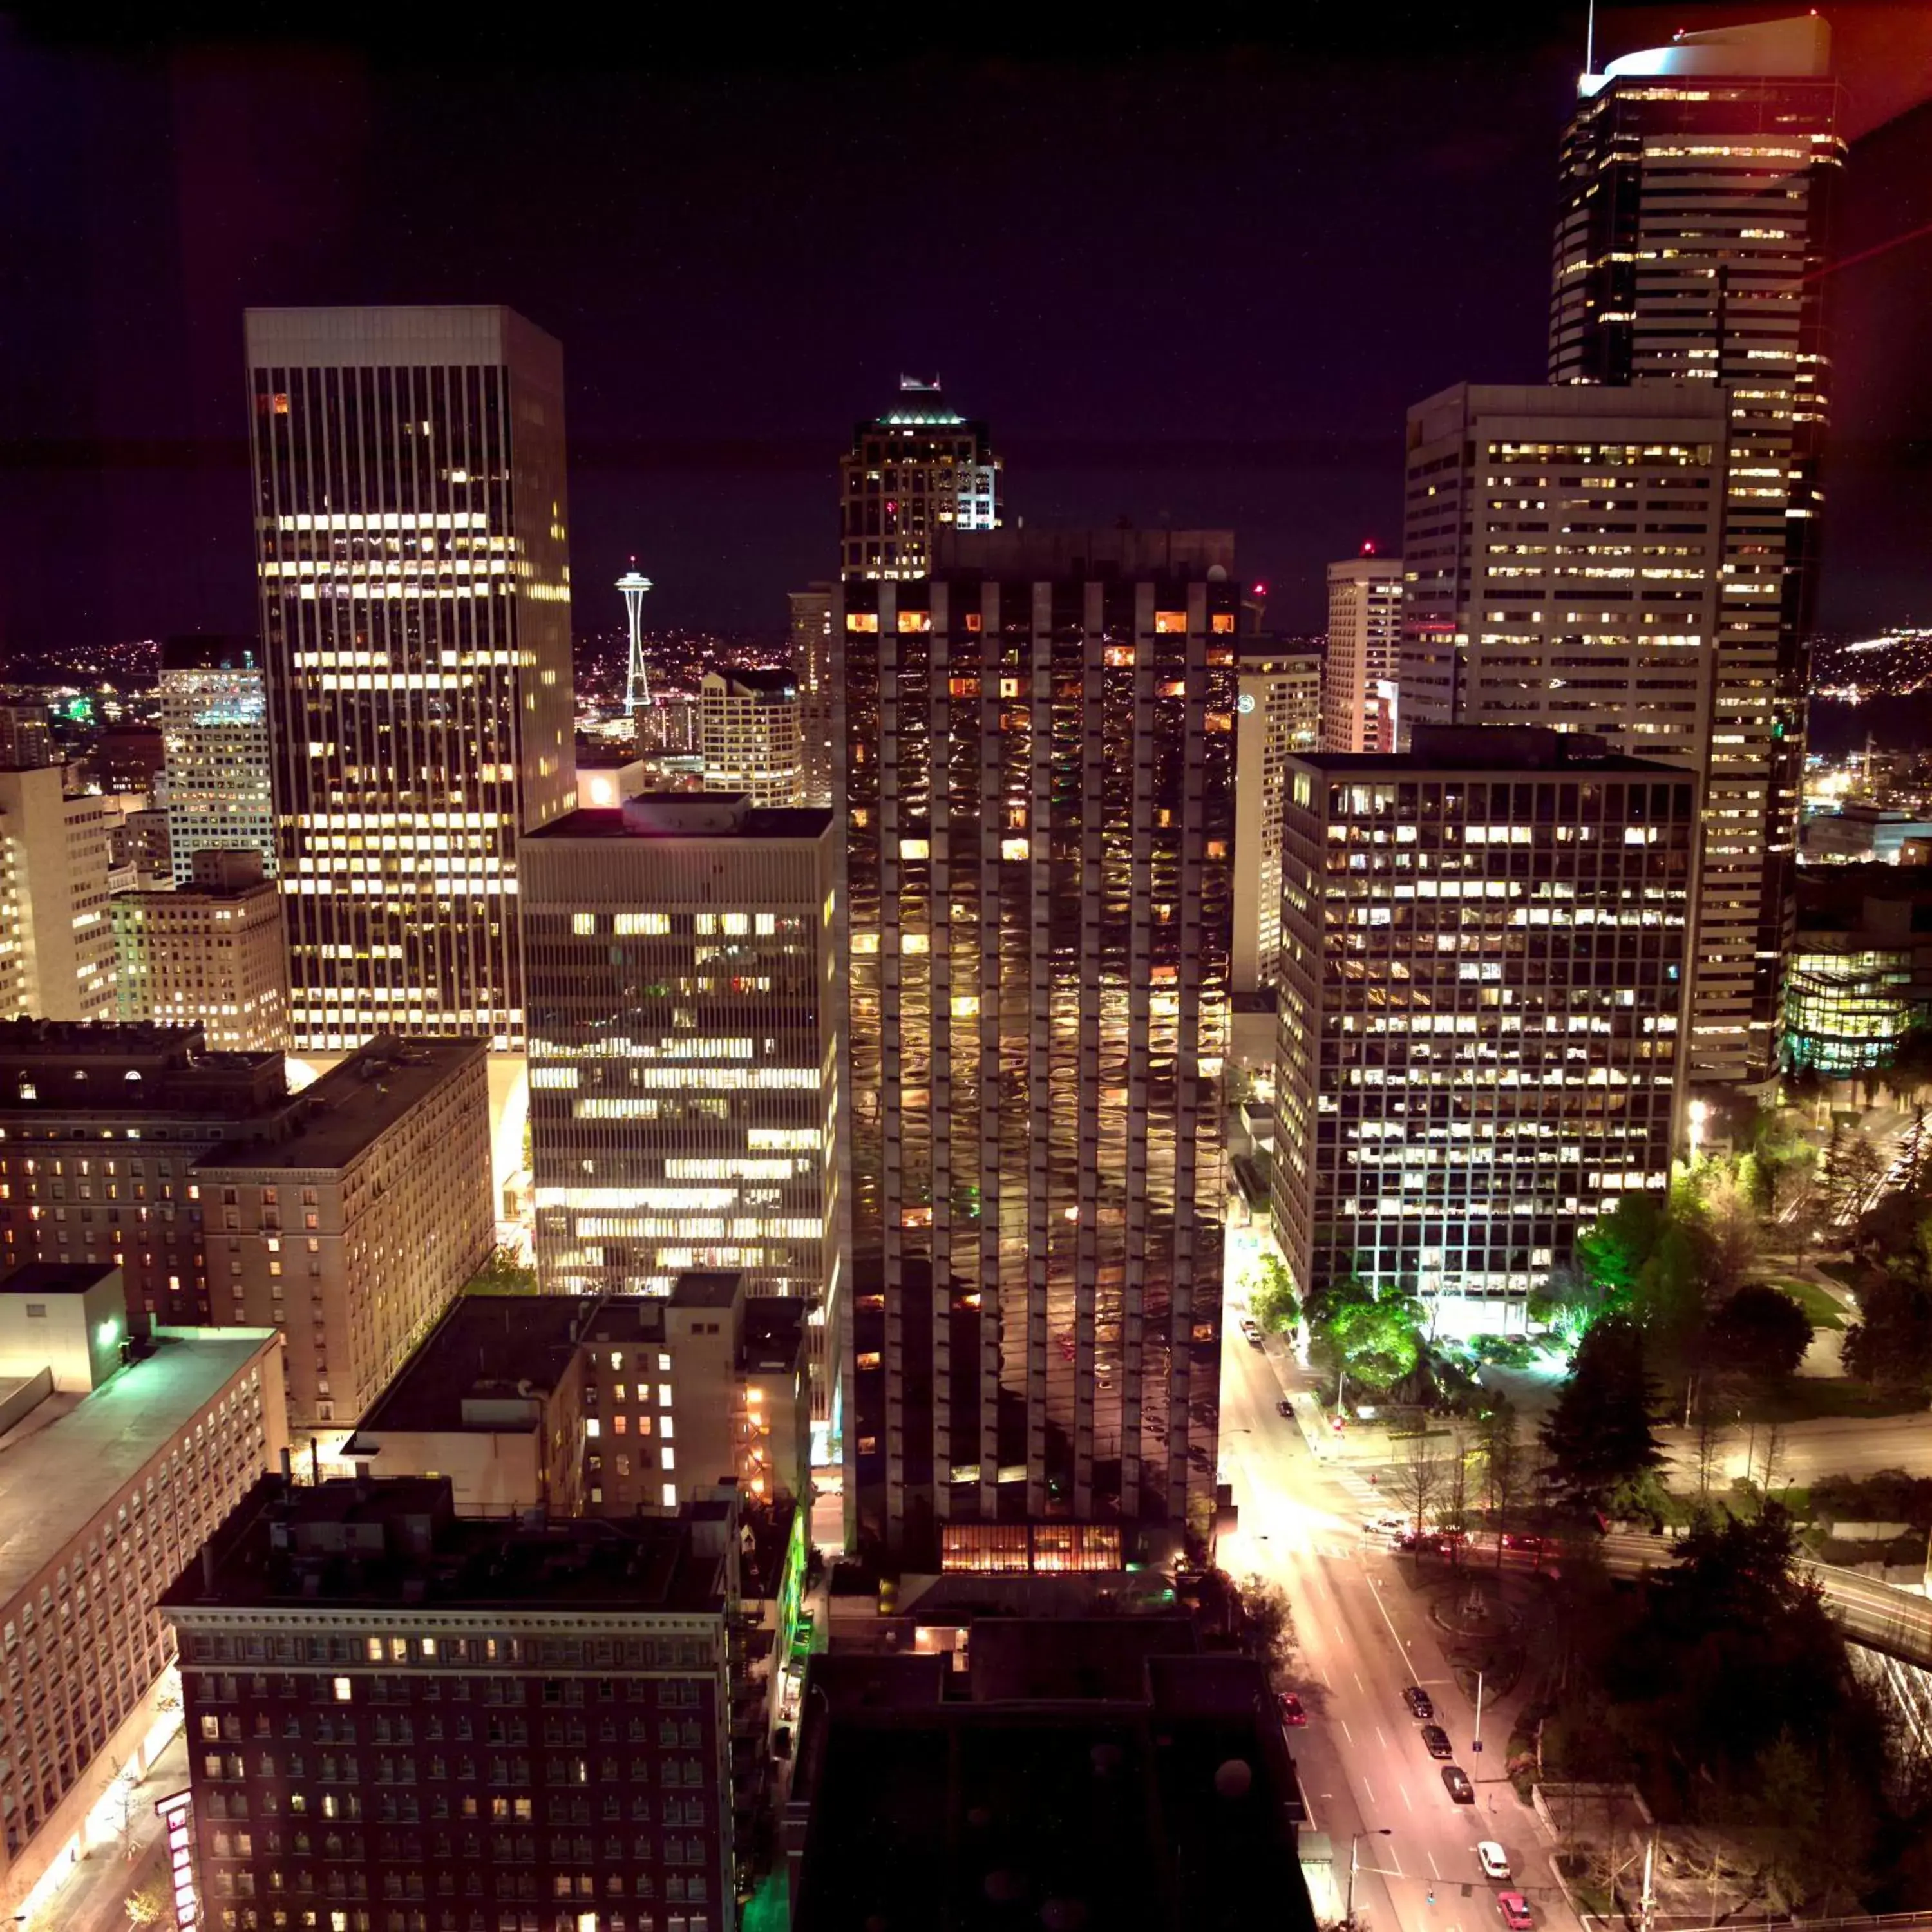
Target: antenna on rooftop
pixel 1590 39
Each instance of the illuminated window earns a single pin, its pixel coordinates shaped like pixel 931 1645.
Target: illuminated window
pixel 344 1689
pixel 914 620
pixel 1015 848
pixel 1223 621
pixel 856 620
pixel 583 923
pixel 628 922
pixel 1169 623
pixel 914 848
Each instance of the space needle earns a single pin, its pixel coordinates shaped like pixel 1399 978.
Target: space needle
pixel 636 686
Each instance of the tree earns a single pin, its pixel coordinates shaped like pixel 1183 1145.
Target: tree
pixel 1599 1435
pixel 1505 1462
pixel 1734 1236
pixel 1377 1341
pixel 1454 1517
pixel 1707 1415
pixel 149 1902
pixel 1890 1343
pixel 1268 1625
pixel 1271 1296
pixel 1612 1249
pixel 1852 1169
pixel 503 1273
pixel 1419 1480
pixel 1760 1332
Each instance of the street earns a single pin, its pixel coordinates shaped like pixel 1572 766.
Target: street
pixel 1362 1635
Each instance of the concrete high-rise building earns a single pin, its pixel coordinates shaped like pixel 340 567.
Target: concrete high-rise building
pixel 55 895
pixel 687 1062
pixel 1364 655
pixel 395 1712
pixel 920 470
pixel 217 785
pixel 1037 754
pixel 1566 550
pixel 113 1472
pixel 1279 712
pixel 1697 184
pixel 411 539
pixel 811 665
pixel 1482 1008
pixel 752 726
pixel 26 739
pixel 210 953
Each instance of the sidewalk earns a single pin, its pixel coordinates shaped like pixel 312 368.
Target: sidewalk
pixel 91 1900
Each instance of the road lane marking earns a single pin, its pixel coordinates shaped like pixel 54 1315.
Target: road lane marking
pixel 1360 1686
pixel 1406 1799
pixel 1380 1739
pixel 1396 1861
pixel 1433 1866
pixel 1346 1732
pixel 1366 1793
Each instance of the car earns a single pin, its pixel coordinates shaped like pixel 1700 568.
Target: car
pixel 1386 1524
pixel 1493 1859
pixel 1436 1740
pixel 1285 1407
pixel 1420 1704
pixel 1515 1909
pixel 1421 1545
pixel 1291 1713
pixel 1455 1782
pixel 1252 1333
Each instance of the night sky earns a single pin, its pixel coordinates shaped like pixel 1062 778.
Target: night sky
pixel 1189 279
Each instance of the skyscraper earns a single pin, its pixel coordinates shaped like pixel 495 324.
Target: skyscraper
pixel 1279 714
pixel 1697 186
pixel 1563 548
pixel 687 1108
pixel 1364 652
pixel 216 785
pixel 1036 753
pixel 811 665
pixel 57 955
pixel 750 723
pixel 411 535
pixel 1481 1009
pixel 920 470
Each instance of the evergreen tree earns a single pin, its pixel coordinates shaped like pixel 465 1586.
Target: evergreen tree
pixel 1598 1436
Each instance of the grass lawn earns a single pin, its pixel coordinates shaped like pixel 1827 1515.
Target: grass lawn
pixel 1806 1398
pixel 1825 1310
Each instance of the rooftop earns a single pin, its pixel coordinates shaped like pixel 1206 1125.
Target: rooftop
pixel 1088 1777
pixel 685 814
pixel 1089 555
pixel 1463 748
pixel 487 1346
pixel 136 1070
pixel 52 1278
pixel 399 1542
pixel 70 1455
pixel 767 681
pixel 354 1104
pixel 210 651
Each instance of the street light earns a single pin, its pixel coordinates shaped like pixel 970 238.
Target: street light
pixel 1375 1832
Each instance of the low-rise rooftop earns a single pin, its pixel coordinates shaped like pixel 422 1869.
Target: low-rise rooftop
pixel 1460 749
pixel 399 1542
pixel 63 1463
pixel 686 815
pixel 355 1104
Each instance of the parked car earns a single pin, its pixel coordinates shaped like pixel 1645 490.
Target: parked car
pixel 1422 1545
pixel 1285 1407
pixel 1252 1332
pixel 1515 1910
pixel 1436 1739
pixel 1420 1704
pixel 1455 1782
pixel 1493 1859
pixel 1291 1713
